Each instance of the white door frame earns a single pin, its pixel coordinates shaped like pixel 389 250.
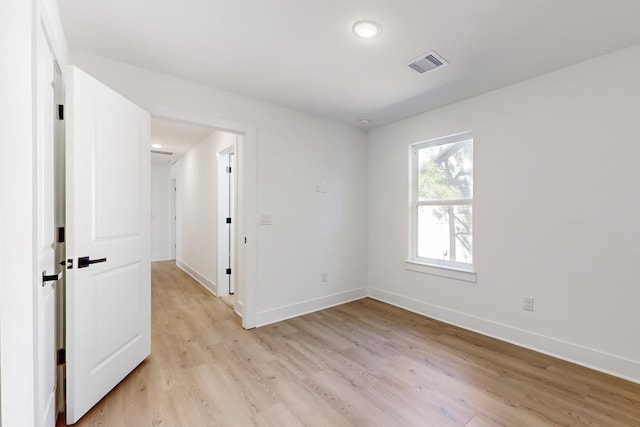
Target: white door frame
pixel 47 221
pixel 19 272
pixel 246 204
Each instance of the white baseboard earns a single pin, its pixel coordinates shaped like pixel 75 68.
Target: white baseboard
pixel 584 356
pixel 162 259
pixel 287 312
pixel 208 284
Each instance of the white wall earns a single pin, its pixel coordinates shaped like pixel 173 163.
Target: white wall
pixel 555 214
pixel 17 214
pixel 160 212
pixel 196 174
pixel 311 232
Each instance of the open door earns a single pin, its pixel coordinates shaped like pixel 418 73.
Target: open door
pixel 108 297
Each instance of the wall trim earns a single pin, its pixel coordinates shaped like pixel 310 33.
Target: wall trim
pixel 208 284
pixel 239 308
pixel 298 309
pixel 590 358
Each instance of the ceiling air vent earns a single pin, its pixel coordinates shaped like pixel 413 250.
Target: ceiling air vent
pixel 427 62
pixel 168 153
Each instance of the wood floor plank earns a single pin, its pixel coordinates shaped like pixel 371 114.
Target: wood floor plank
pixel 365 363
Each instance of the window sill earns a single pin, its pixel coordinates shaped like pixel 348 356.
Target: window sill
pixel 439 270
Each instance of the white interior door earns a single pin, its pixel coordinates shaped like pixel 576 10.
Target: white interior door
pixel 226 222
pixel 232 226
pixel 172 199
pixel 46 236
pixel 108 299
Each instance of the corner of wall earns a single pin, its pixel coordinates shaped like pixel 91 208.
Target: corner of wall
pixel 208 284
pixel 299 309
pixel 580 355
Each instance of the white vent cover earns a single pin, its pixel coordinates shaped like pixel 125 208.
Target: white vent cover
pixel 168 153
pixel 427 62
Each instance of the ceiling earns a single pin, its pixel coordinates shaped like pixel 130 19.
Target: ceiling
pixel 176 139
pixel 302 53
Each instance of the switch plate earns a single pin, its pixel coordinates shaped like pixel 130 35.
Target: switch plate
pixel 321 187
pixel 324 277
pixel 527 304
pixel 265 219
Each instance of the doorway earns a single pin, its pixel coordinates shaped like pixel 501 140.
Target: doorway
pixel 245 204
pixel 201 169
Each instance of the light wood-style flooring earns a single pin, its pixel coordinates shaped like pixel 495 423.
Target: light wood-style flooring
pixel 365 363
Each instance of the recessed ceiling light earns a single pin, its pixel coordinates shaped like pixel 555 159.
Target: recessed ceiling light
pixel 156 145
pixel 366 29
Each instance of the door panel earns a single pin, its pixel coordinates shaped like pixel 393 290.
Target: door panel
pixel 115 134
pixel 108 303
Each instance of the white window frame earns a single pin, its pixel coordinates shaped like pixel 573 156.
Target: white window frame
pixel 452 269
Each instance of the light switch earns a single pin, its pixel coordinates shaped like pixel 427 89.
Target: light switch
pixel 265 219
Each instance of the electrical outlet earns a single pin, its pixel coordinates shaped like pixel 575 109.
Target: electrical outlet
pixel 324 277
pixel 527 303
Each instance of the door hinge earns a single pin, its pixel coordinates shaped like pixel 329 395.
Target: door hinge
pixel 60 112
pixel 228 169
pixel 60 234
pixel 61 357
pixel 228 220
pixel 228 271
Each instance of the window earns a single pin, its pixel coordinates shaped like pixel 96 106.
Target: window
pixel 442 202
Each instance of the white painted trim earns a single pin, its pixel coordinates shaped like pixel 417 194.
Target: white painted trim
pixel 208 284
pixel 238 308
pixel 309 306
pixel 442 271
pixel 580 355
pixel 162 258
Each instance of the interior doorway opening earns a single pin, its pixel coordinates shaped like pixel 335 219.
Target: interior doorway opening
pixel 200 175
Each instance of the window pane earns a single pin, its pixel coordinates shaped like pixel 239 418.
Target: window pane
pixel 444 233
pixel 445 172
